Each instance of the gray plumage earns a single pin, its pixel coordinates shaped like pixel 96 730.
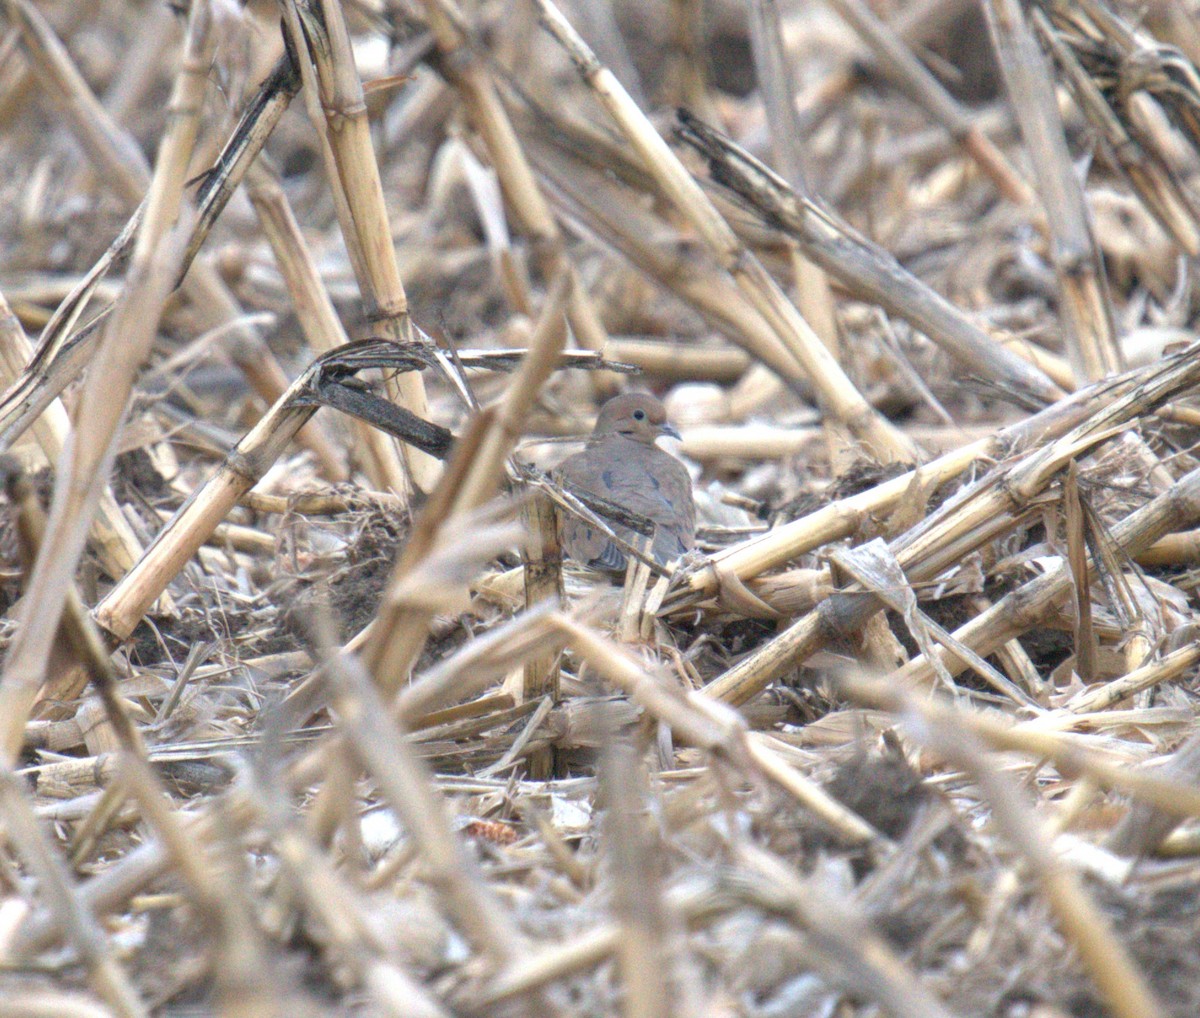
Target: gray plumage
pixel 621 463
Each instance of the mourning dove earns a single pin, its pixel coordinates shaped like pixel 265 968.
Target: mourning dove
pixel 622 464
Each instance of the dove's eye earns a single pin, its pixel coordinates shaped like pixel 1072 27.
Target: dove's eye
pixel 639 415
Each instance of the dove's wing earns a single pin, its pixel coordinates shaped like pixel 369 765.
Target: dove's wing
pixel 642 478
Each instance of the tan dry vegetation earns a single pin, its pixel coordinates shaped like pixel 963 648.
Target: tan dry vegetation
pixel 301 711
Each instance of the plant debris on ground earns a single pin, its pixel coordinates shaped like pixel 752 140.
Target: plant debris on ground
pixel 302 711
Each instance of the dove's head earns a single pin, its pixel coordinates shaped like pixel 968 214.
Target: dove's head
pixel 637 416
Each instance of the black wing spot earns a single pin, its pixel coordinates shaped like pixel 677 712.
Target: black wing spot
pixel 607 478
pixel 654 482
